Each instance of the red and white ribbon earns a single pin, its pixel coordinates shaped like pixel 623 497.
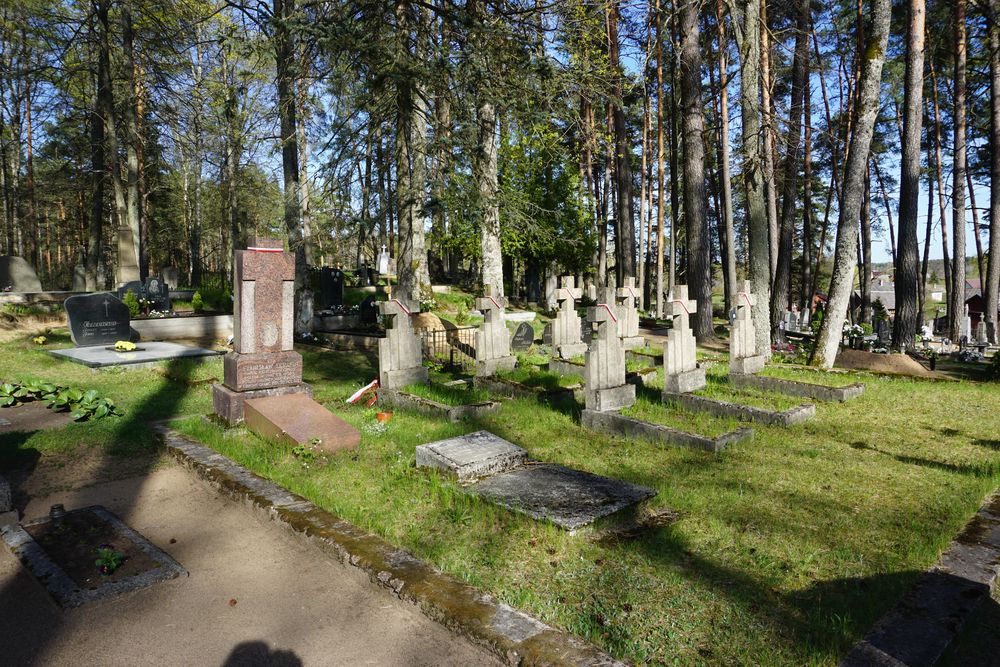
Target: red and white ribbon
pixel 610 312
pixel 266 249
pixel 400 304
pixel 683 305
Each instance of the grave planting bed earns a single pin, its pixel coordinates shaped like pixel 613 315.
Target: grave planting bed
pixel 451 402
pixel 787 548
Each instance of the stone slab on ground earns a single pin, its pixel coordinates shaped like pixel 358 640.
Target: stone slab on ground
pixel 508 634
pixel 817 392
pixel 747 413
pixel 571 499
pixel 920 628
pixel 228 404
pixel 296 419
pixel 618 424
pixel 472 455
pixel 452 413
pixel 67 592
pixel 150 354
pixel 242 372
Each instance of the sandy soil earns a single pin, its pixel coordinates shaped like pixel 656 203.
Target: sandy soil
pixel 899 364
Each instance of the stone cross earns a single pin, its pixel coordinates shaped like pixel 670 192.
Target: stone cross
pixel 400 357
pixel 604 370
pixel 681 373
pixel 264 293
pixel 492 338
pixel 628 299
pixel 566 339
pixel 743 354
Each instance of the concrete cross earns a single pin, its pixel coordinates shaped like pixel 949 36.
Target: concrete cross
pixel 680 306
pixel 264 292
pixel 568 292
pixel 629 292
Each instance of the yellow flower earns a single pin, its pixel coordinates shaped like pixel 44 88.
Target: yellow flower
pixel 124 346
pixel 39 340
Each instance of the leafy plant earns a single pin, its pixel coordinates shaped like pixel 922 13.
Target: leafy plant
pixel 82 405
pixel 196 303
pixel 131 302
pixel 108 560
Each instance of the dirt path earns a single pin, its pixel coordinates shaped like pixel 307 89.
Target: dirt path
pixel 293 605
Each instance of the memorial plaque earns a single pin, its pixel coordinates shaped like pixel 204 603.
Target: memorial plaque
pixel 367 311
pixel 261 371
pixel 523 338
pixel 97 319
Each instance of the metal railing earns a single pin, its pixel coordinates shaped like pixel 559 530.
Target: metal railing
pixel 456 348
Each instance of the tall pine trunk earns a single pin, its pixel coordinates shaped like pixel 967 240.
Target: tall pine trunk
pixel 992 288
pixel 957 288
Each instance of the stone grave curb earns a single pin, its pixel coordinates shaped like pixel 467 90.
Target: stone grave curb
pixel 618 424
pixel 513 636
pixel 563 367
pixel 817 392
pixel 512 389
pixel 796 415
pixel 427 406
pixel 654 360
pixel 921 627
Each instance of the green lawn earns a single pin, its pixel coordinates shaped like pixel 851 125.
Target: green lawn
pixel 788 547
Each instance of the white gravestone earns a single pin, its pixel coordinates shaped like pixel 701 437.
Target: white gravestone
pixel 681 373
pixel 628 299
pixel 604 370
pixel 492 338
pixel 400 359
pixel 744 357
pixel 566 339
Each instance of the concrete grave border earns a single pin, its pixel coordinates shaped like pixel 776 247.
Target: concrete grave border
pixel 62 588
pixel 513 636
pixel 818 392
pixel 796 415
pixel 615 423
pixel 513 389
pixel 427 406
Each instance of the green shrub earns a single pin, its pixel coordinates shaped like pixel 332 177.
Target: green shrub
pixel 215 296
pixel 132 303
pixel 196 303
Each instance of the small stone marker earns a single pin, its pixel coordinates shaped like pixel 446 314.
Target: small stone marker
pixel 628 299
pixel 681 373
pixel 97 319
pixel 471 456
pixel 604 370
pixel 523 338
pixel 263 376
pixel 17 274
pixel 400 357
pixel 566 339
pixel 743 354
pixel 492 338
pixel 296 419
pixel 79 278
pixel 547 334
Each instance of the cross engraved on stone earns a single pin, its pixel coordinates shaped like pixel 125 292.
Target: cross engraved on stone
pixel 107 302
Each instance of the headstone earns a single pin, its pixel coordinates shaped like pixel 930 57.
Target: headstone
pixel 17 275
pixel 97 319
pixel 471 456
pixel 604 369
pixel 296 419
pixel 628 299
pixel 791 321
pixel 368 311
pixel 157 293
pixel 547 334
pixel 382 261
pixel 743 354
pixel 681 373
pixel 966 331
pixel 134 286
pixel 981 334
pixel 79 278
pixel 400 358
pixel 262 362
pixel 492 338
pixel 331 288
pixel 566 339
pixel 884 333
pixel 523 338
pixel 591 290
pixel 551 285
pixel 171 275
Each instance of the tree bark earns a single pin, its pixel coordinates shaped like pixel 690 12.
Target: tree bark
pixel 770 187
pixel 624 222
pixel 485 171
pixel 132 141
pixel 98 164
pixel 729 238
pixel 940 191
pixel 660 195
pixel 957 304
pixel 845 256
pixel 991 290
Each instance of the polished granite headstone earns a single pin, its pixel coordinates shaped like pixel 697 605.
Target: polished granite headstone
pixel 97 319
pixel 523 338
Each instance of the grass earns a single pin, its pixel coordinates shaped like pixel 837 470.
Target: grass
pixel 534 377
pixel 648 407
pixel 788 547
pixel 449 395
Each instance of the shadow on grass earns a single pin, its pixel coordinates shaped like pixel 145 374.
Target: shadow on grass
pixel 985 469
pixel 989 444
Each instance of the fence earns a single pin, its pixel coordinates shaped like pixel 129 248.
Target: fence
pixel 456 348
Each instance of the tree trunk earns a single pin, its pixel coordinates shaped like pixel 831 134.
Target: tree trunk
pixel 805 290
pixel 957 304
pixel 845 257
pixel 940 190
pixel 132 141
pixel 991 291
pixel 675 190
pixel 728 237
pixel 866 252
pixel 624 223
pixel 485 170
pixel 98 168
pixel 660 198
pixel 770 187
pixel 907 259
pixel 790 183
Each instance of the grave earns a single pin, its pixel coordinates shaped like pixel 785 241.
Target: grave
pixel 134 286
pixel 965 329
pixel 157 293
pixel 567 341
pixel 144 356
pixel 17 275
pixel 681 372
pixel 604 369
pixel 744 357
pixel 331 288
pixel 79 283
pixel 97 319
pixel 59 552
pixel 569 498
pixel 262 377
pixel 628 300
pixel 523 338
pixel 493 338
pixel 400 357
pixel 171 275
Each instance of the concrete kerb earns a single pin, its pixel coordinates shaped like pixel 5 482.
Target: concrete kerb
pixel 618 424
pixel 816 392
pixel 512 389
pixel 427 406
pixel 796 415
pixel 515 637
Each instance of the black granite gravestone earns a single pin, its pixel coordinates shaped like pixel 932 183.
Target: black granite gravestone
pixel 547 334
pixel 523 337
pixel 97 319
pixel 158 294
pixel 367 313
pixel 134 286
pixel 331 288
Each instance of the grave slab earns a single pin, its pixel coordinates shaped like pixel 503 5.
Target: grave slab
pixel 296 419
pixel 571 499
pixel 747 413
pixel 147 354
pixel 228 403
pixel 472 455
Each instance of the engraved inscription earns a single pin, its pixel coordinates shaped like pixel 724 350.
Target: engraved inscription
pixel 265 375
